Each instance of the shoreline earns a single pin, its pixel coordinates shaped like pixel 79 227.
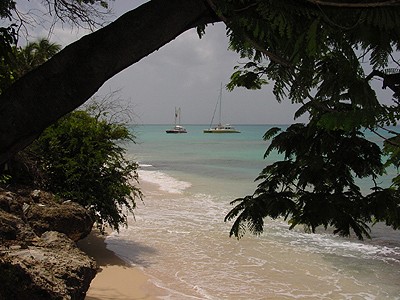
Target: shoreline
pixel 115 278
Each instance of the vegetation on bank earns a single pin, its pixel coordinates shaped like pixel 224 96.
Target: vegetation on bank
pixel 81 156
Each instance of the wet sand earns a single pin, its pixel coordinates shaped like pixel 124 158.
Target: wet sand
pixel 115 279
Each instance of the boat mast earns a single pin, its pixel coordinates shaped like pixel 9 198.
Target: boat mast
pixel 176 115
pixel 216 107
pixel 220 104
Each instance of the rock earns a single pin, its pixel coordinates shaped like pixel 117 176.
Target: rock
pixel 42 212
pixel 38 256
pixel 42 197
pixel 14 230
pixel 8 226
pixel 69 218
pixel 52 268
pixel 12 202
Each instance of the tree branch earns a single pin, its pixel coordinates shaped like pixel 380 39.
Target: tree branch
pixel 73 75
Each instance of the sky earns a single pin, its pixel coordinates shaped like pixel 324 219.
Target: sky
pixel 187 73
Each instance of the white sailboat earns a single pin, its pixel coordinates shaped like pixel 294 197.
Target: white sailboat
pixel 177 127
pixel 227 128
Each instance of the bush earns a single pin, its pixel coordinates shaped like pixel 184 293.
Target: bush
pixel 81 159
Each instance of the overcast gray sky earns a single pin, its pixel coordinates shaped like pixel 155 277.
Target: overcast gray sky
pixel 187 73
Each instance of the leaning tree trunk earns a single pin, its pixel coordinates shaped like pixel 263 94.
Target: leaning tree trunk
pixel 73 75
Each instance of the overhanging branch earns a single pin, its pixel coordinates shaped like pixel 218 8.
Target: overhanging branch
pixel 73 75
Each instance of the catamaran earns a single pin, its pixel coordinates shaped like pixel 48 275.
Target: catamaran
pixel 227 128
pixel 177 127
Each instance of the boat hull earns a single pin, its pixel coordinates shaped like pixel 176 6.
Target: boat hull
pixel 175 131
pixel 220 131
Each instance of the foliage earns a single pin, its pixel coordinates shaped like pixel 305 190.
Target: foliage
pixel 6 7
pixel 4 178
pixel 83 161
pixel 6 69
pixel 79 157
pixel 21 60
pixel 320 52
pixel 315 186
pixel 33 55
pixel 77 12
pixel 323 64
pixel 8 38
pixel 392 150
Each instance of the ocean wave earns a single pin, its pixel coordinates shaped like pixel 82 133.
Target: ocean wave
pixel 165 182
pixel 145 165
pixel 332 244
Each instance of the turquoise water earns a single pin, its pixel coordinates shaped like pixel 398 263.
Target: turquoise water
pixel 232 157
pixel 180 240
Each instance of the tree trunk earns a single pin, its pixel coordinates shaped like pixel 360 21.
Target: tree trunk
pixel 73 75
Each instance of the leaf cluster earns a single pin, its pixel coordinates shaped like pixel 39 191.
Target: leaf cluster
pixel 20 60
pixel 82 160
pixel 6 8
pixel 8 39
pixel 318 55
pixel 315 184
pixel 314 54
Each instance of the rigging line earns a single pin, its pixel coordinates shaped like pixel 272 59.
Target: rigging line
pixel 215 109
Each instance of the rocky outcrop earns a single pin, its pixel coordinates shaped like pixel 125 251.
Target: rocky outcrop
pixel 39 212
pixel 69 218
pixel 50 268
pixel 38 255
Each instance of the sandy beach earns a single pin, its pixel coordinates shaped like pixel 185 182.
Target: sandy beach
pixel 115 279
pixel 178 239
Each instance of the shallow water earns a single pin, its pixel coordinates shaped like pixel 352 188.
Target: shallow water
pixel 180 240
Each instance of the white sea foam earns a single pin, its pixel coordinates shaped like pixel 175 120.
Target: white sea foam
pixel 331 244
pixel 165 182
pixel 144 165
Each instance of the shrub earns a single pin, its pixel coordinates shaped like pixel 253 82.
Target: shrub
pixel 81 159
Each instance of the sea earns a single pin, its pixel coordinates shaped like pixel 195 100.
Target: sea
pixel 179 238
